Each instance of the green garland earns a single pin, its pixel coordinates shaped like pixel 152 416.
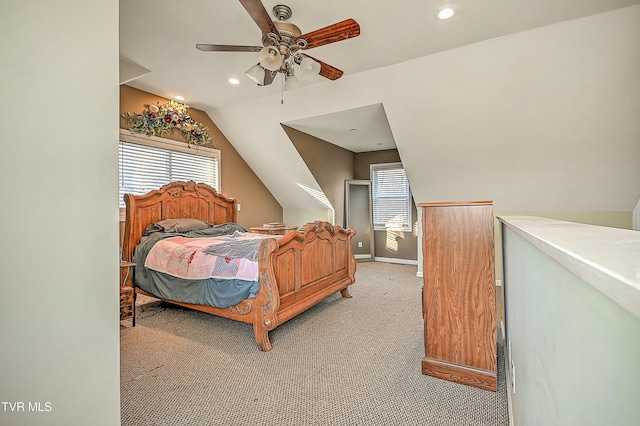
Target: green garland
pixel 158 120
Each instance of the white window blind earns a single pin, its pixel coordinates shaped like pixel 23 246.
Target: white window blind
pixel 391 197
pixel 148 163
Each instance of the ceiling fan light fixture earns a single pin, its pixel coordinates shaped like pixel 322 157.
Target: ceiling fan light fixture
pixel 291 82
pixel 309 68
pixel 270 58
pixel 256 73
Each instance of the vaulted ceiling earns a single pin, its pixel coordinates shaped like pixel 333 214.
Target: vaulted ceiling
pixel 388 75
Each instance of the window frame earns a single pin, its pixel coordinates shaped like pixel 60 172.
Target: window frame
pixel 406 227
pixel 170 145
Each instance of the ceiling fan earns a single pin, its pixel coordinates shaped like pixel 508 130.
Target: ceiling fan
pixel 282 42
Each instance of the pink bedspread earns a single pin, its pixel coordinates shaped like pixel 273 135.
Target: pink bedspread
pixel 185 258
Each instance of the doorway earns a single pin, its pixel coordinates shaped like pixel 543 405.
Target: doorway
pixel 358 215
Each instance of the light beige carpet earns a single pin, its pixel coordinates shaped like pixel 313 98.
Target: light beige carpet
pixel 344 362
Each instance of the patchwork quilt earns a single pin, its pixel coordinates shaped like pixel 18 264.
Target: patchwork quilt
pixel 223 257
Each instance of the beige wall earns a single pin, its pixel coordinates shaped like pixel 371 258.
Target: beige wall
pixel 365 159
pixel 296 217
pixel 394 245
pixel 237 179
pixel 330 165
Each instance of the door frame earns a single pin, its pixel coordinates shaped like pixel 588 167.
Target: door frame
pixel 347 214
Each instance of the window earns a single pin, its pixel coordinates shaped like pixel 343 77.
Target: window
pixel 147 163
pixel 391 197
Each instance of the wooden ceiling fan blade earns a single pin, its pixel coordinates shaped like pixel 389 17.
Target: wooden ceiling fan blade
pixel 260 16
pixel 348 28
pixel 326 70
pixel 227 48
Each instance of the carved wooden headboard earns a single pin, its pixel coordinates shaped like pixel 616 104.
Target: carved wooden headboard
pixel 174 200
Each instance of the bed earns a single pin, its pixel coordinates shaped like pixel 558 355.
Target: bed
pixel 294 271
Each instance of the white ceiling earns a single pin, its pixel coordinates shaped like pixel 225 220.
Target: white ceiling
pixel 357 129
pixel 160 36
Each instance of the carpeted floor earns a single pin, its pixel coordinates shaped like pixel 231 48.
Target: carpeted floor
pixel 344 362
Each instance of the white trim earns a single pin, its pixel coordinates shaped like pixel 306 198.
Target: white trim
pixel 419 274
pixel 362 256
pixel 394 260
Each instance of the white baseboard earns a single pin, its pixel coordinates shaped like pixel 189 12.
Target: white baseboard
pixel 394 260
pixel 362 256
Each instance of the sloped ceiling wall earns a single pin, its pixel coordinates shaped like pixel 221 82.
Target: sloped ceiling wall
pixel 330 165
pixel 540 120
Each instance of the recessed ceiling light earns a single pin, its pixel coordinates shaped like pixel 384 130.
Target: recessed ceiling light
pixel 180 98
pixel 234 81
pixel 445 13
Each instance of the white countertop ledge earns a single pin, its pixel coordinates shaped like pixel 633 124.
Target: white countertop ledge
pixel 606 258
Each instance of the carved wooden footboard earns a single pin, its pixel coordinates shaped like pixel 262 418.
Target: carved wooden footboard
pixel 296 271
pixel 300 270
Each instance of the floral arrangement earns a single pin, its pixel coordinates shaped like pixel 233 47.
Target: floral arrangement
pixel 158 120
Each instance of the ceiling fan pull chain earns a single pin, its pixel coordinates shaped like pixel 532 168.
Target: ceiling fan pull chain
pixel 282 92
